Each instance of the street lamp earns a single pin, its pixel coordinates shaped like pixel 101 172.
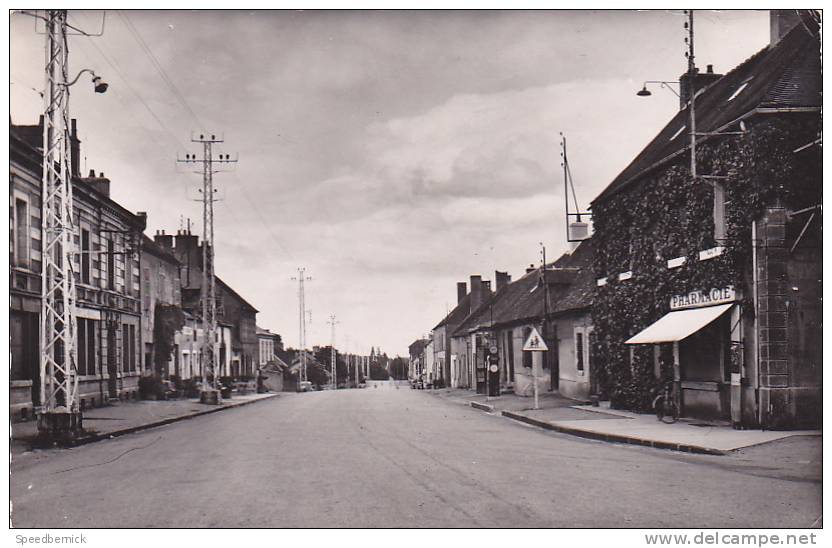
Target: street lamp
pixel 99 85
pixel 644 92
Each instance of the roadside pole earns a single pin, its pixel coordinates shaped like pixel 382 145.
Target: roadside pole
pixel 535 343
pixel 536 390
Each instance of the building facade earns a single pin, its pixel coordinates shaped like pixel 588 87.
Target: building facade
pixel 106 263
pixel 162 295
pixel 239 352
pixel 713 282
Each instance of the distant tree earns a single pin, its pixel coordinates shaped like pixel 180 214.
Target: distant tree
pixel 167 320
pixel 398 368
pixel 316 374
pixel 378 372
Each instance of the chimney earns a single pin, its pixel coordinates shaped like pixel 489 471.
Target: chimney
pixel 476 292
pixel 486 286
pixel 187 249
pixel 74 150
pixel 531 268
pixel 461 291
pixel 780 23
pixel 502 279
pixel 98 183
pixel 700 81
pixel 142 216
pixel 164 240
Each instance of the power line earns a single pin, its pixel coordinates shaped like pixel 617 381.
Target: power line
pixel 155 62
pixel 138 96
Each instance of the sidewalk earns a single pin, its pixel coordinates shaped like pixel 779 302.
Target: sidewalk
pixel 127 417
pixel 559 407
pixel 602 423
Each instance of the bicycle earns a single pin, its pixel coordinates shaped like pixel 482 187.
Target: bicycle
pixel 665 405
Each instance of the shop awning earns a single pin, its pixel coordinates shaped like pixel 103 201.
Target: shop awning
pixel 679 324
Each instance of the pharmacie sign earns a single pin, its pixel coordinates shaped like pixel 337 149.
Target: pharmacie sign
pixel 703 298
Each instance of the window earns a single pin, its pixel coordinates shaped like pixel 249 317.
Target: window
pixel 579 352
pixel 125 347
pixel 719 213
pixel 21 233
pixel 85 256
pixel 82 347
pixel 128 347
pixel 738 91
pixel 86 347
pixel 510 354
pixel 111 264
pixel 23 345
pixel 128 275
pixel 132 347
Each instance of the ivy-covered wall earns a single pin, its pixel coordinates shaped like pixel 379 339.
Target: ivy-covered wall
pixel 666 215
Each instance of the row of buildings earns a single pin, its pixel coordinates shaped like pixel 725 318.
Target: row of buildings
pixel 138 299
pixel 712 281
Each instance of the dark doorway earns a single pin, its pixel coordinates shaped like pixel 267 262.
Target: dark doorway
pixel 552 358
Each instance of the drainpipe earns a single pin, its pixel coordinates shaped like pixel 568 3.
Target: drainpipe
pixel 756 320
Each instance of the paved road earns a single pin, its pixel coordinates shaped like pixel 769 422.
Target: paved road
pixel 385 457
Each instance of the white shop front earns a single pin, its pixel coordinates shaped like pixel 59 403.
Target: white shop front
pixel 703 336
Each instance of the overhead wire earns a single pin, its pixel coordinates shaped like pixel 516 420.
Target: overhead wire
pixel 183 102
pixel 134 31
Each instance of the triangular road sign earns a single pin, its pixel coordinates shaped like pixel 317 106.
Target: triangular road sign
pixel 535 342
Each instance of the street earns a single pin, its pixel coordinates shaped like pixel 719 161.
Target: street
pixel 395 457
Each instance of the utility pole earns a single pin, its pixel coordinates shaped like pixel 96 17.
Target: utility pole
pixel 332 321
pixel 691 85
pixel 302 278
pixel 544 323
pixel 209 351
pixel 60 413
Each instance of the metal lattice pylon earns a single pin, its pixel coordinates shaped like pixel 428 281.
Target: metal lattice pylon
pixel 58 371
pixel 210 340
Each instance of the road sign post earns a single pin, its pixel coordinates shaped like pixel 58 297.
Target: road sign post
pixel 535 343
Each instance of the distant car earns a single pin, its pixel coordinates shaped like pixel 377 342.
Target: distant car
pixel 305 386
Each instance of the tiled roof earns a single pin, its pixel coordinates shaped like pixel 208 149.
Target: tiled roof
pixel 417 346
pixel 571 283
pixel 786 75
pixel 458 314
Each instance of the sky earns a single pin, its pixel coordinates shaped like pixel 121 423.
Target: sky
pixel 390 153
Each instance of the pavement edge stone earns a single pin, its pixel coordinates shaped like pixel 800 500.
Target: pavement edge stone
pixel 612 438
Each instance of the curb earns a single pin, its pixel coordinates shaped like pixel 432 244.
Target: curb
pixel 481 406
pixel 613 438
pixel 132 429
